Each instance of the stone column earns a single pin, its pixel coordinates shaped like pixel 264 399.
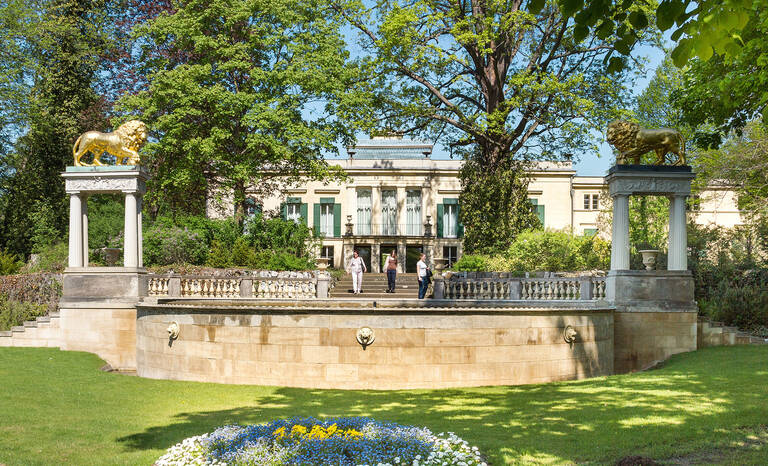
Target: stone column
pixel 139 233
pixel 130 238
pixel 620 233
pixel 376 257
pixel 75 229
pixel 678 241
pixel 401 256
pixel 84 210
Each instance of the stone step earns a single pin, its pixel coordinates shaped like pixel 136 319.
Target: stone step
pixel 6 333
pixel 17 329
pixel 43 319
pixel 30 324
pixel 54 315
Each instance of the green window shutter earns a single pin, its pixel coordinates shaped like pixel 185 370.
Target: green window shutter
pixel 327 200
pixel 540 213
pixel 316 218
pixel 293 200
pixel 459 225
pixel 283 211
pixel 337 220
pixel 590 231
pixel 440 209
pixel 304 215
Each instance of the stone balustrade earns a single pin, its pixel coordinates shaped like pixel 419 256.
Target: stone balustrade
pixel 266 286
pixel 527 289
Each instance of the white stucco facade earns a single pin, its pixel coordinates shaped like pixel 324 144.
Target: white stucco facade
pixel 398 197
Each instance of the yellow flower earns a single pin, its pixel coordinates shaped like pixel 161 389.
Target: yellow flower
pixel 279 433
pixel 298 430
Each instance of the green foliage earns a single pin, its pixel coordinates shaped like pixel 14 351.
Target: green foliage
pixel 9 263
pixel 229 83
pixel 276 234
pixel 13 313
pixel 739 300
pixel 494 207
pixel 730 89
pixel 53 259
pixel 552 251
pixel 166 244
pixel 741 164
pixel 106 215
pixel 64 46
pixel 472 263
pixel 730 274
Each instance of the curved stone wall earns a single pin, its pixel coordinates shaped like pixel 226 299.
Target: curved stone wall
pixel 314 344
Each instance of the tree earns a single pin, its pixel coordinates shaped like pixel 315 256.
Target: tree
pixel 65 51
pixel 726 92
pixel 228 83
pixel 497 81
pixel 702 28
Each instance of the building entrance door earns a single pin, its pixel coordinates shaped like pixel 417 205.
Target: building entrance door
pixel 365 252
pixel 412 255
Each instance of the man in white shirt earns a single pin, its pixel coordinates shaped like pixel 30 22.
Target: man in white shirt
pixel 421 268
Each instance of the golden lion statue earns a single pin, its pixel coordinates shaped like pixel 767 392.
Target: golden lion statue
pixel 632 141
pixel 124 143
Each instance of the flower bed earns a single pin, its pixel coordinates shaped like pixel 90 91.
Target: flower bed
pixel 309 441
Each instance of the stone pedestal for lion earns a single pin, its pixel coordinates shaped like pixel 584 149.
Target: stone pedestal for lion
pixel 98 304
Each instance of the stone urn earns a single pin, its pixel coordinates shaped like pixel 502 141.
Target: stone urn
pixel 111 256
pixel 322 263
pixel 650 258
pixel 440 265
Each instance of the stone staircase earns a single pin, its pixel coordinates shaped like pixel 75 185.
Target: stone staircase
pixel 375 286
pixel 718 334
pixel 41 332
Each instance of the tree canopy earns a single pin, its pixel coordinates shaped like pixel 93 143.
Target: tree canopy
pixel 228 86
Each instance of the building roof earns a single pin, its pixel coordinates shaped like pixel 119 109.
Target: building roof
pixel 390 148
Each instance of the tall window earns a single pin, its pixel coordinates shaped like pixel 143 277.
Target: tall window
pixel 363 212
pixel 388 212
pixel 326 220
pixel 413 212
pixel 450 254
pixel 591 201
pixel 450 220
pixel 293 211
pixel 327 253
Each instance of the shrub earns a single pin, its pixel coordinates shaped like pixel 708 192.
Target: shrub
pixel 557 251
pixel 36 288
pixel 164 245
pixel 50 259
pixel 13 313
pixel 542 251
pixel 472 263
pixel 9 263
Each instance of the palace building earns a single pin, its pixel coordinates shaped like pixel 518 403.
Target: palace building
pixel 398 197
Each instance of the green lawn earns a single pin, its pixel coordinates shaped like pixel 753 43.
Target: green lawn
pixel 710 406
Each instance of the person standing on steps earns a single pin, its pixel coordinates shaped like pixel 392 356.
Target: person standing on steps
pixel 356 268
pixel 423 269
pixel 391 271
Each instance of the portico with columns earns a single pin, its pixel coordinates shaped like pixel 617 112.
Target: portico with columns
pixel 656 315
pixel 98 304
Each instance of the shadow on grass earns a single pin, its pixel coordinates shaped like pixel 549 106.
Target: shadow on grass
pixel 590 420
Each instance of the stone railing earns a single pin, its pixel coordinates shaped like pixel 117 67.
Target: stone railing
pixel 269 286
pixel 529 289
